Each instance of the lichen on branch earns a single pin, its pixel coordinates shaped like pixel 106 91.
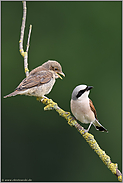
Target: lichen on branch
pixel 50 105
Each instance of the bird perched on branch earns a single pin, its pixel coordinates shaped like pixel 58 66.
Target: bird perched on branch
pixel 83 108
pixel 40 80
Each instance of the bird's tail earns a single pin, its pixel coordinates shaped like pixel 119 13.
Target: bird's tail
pixel 99 127
pixel 12 94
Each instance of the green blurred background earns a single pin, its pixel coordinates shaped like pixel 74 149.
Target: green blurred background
pixel 85 37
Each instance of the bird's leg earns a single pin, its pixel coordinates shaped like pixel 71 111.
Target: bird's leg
pixel 89 127
pixel 40 99
pixel 50 104
pixel 45 100
pixel 44 97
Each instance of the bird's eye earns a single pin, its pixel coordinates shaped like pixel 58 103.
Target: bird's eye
pixel 55 69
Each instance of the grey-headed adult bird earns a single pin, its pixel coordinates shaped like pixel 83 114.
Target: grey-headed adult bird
pixel 40 80
pixel 83 108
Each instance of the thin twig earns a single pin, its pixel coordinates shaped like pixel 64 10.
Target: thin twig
pixel 24 54
pixel 50 105
pixel 23 28
pixel 30 29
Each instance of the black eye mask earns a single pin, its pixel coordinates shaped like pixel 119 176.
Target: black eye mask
pixel 81 92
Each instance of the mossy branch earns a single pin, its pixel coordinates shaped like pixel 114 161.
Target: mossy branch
pixel 50 105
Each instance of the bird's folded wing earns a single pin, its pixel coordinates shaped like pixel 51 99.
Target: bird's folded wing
pixel 93 108
pixel 36 79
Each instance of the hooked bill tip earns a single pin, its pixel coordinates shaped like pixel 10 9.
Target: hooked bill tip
pixel 89 88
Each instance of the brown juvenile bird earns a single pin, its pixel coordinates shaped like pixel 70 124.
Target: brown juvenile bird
pixel 40 80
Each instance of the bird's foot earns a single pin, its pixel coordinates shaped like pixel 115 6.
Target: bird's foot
pixel 40 99
pixel 86 131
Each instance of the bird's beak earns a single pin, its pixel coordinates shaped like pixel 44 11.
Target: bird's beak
pixel 61 74
pixel 89 88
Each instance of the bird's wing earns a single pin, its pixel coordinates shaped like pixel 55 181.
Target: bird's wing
pixel 36 79
pixel 96 123
pixel 93 108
